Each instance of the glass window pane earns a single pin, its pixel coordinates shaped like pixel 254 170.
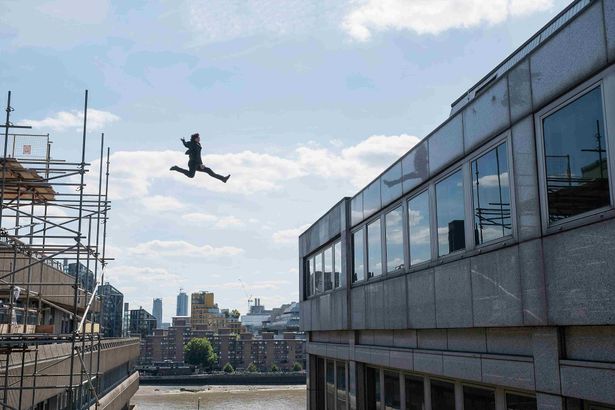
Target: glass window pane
pixel 516 402
pixel 478 399
pixel 374 251
pixel 395 240
pixel 337 265
pixel 442 395
pixel 318 274
pixel 450 214
pixel 308 277
pixel 330 385
pixel 328 271
pixel 358 266
pixel 415 167
pixel 491 194
pixel 392 396
pixel 391 184
pixel 420 231
pixel 312 275
pixel 373 395
pixel 576 158
pixel 415 394
pixel 342 394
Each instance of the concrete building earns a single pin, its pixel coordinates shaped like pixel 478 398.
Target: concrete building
pixel 157 311
pixel 253 320
pixel 477 272
pixel 142 323
pixel 204 313
pixel 111 320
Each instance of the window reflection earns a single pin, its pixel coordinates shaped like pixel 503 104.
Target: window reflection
pixel 358 267
pixel 328 269
pixel 330 385
pixel 450 214
pixel 491 194
pixel 392 396
pixel 442 395
pixel 373 397
pixel 478 399
pixel 516 402
pixel 339 280
pixel 309 276
pixel 576 158
pixel 318 274
pixel 419 228
pixel 415 393
pixel 394 240
pixel 374 251
pixel 341 385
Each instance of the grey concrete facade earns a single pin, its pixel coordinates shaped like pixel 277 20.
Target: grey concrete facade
pixel 532 313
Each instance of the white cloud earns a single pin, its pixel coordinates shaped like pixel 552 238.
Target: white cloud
pixel 433 16
pixel 73 120
pixel 161 203
pixel 182 248
pixel 221 222
pixel 141 274
pixel 134 172
pixel 289 236
pixel 491 181
pixel 260 285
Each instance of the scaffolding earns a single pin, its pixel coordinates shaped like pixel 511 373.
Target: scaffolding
pixel 53 230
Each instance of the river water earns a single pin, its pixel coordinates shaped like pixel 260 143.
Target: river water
pixel 220 397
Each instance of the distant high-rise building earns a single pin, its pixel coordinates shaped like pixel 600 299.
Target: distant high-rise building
pixel 157 311
pixel 111 321
pixel 182 304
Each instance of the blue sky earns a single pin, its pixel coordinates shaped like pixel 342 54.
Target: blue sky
pixel 303 102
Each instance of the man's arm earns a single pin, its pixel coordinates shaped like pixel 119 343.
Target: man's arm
pixel 186 144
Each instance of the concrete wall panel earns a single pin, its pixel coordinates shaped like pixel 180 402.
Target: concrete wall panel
pixel 513 341
pixel 428 362
pixel 527 204
pixel 374 308
pixel 546 351
pixel 496 289
pixel 405 338
pixel 357 307
pixel 432 339
pixel 463 367
pixel 445 145
pixel 569 56
pixel 467 340
pixel 453 295
pixel 579 275
pixel 421 299
pixel 402 359
pixel 609 19
pixel 520 91
pixel 591 343
pixel 533 292
pixel 396 303
pixel 509 373
pixel 589 383
pixel 486 116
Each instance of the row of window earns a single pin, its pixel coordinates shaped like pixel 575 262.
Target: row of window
pixel 441 393
pixel 323 270
pixel 491 214
pixel 574 178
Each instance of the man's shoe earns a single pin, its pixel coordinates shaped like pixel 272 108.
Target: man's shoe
pixel 226 178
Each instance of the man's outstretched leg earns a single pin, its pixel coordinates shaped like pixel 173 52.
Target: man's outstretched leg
pixel 213 174
pixel 187 172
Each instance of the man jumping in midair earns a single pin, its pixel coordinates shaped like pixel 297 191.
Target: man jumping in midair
pixel 195 163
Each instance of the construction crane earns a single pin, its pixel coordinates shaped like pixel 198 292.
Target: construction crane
pixel 243 286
